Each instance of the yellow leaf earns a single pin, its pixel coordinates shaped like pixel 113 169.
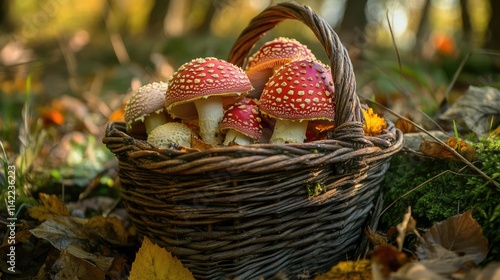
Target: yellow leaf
pixel 352 270
pixel 51 205
pixel 153 262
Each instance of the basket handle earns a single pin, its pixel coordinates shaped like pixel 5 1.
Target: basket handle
pixel 347 106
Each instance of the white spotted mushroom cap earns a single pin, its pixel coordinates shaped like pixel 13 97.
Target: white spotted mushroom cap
pixel 300 90
pixel 201 78
pixel 146 100
pixel 273 54
pixel 244 117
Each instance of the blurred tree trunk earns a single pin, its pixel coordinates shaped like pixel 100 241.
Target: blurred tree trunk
pixel 353 23
pixel 423 29
pixel 466 25
pixel 204 27
pixel 157 16
pixel 174 23
pixel 5 22
pixel 213 8
pixel 493 39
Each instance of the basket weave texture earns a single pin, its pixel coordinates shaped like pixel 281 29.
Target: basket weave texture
pixel 245 211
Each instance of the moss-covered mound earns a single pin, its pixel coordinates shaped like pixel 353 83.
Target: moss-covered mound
pixel 437 189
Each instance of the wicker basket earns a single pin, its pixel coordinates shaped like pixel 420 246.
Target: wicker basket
pixel 244 211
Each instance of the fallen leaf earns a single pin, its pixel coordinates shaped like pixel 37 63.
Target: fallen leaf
pixel 438 150
pixel 68 266
pixel 385 260
pixel 51 116
pixel 449 244
pixel 104 263
pixel 475 109
pixel 376 238
pixel 108 228
pixel 197 143
pixel 359 269
pixel 404 125
pixel 416 270
pixel 490 271
pixel 62 231
pixel 154 263
pixel 461 234
pixel 118 115
pixel 50 205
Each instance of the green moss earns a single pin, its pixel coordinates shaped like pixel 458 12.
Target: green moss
pixel 455 189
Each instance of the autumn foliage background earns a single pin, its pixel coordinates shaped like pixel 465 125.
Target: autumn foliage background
pixel 68 67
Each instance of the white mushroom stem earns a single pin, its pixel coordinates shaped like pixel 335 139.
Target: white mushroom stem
pixel 210 113
pixel 236 137
pixel 154 120
pixel 286 131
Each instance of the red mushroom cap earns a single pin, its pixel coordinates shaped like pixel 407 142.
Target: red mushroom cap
pixel 273 54
pixel 300 90
pixel 243 116
pixel 201 78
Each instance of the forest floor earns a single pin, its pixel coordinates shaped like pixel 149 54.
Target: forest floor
pixel 65 204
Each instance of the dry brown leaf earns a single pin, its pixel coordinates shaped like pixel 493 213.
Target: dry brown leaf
pixel 437 150
pixel 50 205
pixel 71 267
pixel 451 243
pixel 376 238
pixel 104 263
pixel 385 260
pixel 154 263
pixel 61 231
pixel 108 228
pixel 475 109
pixel 416 270
pixel 490 271
pixel 199 144
pixel 404 125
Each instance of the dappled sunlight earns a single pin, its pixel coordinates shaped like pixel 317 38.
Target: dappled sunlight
pixel 426 74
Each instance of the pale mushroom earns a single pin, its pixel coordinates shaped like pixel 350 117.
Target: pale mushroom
pixel 199 88
pixel 298 92
pixel 146 109
pixel 170 135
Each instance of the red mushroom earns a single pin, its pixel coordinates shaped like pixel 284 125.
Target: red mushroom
pixel 270 57
pixel 198 89
pixel 298 92
pixel 241 123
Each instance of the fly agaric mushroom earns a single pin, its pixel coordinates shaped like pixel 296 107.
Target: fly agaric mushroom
pixel 298 92
pixel 270 57
pixel 198 89
pixel 170 134
pixel 146 109
pixel 241 122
